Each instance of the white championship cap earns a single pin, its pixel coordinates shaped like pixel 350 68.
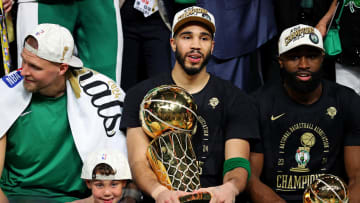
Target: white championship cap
pixel 55 44
pixel 196 14
pixel 300 35
pixel 114 158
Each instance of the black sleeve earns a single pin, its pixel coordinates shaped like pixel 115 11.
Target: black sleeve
pixel 352 119
pixel 241 120
pixel 257 146
pixel 130 117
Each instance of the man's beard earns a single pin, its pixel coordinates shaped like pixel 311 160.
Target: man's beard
pixel 302 87
pixel 192 70
pixel 31 87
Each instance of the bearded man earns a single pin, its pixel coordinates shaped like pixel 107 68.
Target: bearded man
pixel 309 126
pixel 54 114
pixel 229 122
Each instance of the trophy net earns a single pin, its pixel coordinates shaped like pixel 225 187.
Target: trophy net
pixel 174 162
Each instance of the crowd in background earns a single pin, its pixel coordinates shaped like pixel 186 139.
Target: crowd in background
pixel 246 38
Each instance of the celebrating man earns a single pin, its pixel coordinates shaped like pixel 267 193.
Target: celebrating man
pixel 54 112
pixel 225 115
pixel 308 126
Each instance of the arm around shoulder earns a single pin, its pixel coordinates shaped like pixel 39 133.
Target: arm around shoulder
pixel 258 191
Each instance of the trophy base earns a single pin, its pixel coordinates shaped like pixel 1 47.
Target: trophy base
pixel 201 197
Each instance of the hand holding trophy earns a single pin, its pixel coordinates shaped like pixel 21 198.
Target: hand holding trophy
pixel 168 116
pixel 327 189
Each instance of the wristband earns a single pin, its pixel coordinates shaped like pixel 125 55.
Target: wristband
pixel 237 162
pixel 157 191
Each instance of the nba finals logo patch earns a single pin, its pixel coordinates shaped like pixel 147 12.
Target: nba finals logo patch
pixel 213 102
pixel 331 111
pixel 40 32
pixel 12 79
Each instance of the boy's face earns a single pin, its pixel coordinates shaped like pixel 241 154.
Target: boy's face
pixel 106 191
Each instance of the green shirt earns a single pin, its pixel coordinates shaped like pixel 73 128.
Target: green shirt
pixel 41 159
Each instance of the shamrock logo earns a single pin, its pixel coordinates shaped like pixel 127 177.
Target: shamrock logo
pixel 352 4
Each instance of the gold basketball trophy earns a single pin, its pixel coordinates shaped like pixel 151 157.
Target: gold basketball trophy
pixel 168 116
pixel 327 189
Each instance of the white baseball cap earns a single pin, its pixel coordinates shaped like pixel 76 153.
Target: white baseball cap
pixel 114 158
pixel 196 14
pixel 55 43
pixel 300 35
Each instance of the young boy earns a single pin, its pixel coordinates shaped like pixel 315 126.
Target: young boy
pixel 105 173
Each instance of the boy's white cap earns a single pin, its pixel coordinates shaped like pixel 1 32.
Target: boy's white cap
pixel 114 158
pixel 196 14
pixel 55 43
pixel 300 35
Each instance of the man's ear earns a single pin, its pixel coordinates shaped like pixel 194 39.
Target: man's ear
pixel 63 68
pixel 173 44
pixel 212 46
pixel 280 62
pixel 123 183
pixel 88 184
pixel 322 57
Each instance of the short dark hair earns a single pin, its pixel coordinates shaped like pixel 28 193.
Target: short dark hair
pixel 32 42
pixel 103 169
pixel 194 22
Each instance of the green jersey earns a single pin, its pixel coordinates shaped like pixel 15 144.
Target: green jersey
pixel 41 159
pixel 185 1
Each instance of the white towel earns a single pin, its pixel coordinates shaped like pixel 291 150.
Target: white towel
pixel 94 106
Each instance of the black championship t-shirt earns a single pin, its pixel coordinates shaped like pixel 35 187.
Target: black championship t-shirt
pixel 224 112
pixel 302 142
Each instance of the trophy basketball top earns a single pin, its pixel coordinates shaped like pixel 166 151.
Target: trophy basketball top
pixel 327 188
pixel 168 107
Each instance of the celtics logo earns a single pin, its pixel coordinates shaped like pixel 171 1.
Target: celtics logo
pixel 352 4
pixel 314 38
pixel 205 15
pixel 302 155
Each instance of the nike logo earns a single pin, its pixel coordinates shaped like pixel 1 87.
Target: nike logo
pixel 25 113
pixel 276 117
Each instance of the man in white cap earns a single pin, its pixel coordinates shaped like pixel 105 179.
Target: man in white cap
pixel 309 126
pixel 226 116
pixel 54 112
